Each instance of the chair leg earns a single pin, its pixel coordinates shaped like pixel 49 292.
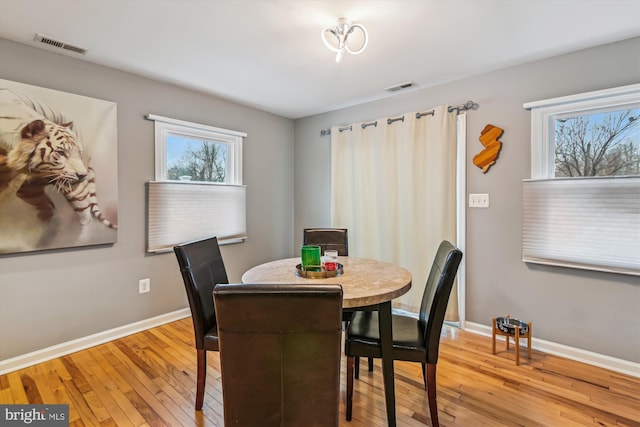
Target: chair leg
pixel 201 378
pixel 349 395
pixel 431 393
pixel 357 368
pixel 424 376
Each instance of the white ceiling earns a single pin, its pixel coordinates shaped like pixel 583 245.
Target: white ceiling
pixel 268 53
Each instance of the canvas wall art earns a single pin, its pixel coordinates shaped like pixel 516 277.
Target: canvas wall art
pixel 58 169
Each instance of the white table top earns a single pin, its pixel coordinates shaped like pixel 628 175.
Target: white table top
pixel 364 281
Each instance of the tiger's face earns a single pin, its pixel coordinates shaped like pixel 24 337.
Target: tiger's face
pixel 49 152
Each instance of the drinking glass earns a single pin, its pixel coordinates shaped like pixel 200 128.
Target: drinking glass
pixel 310 255
pixel 330 260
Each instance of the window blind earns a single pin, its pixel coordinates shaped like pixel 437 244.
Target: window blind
pixel 589 223
pixel 180 212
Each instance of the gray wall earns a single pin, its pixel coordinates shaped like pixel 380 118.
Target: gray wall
pixel 592 311
pixel 52 297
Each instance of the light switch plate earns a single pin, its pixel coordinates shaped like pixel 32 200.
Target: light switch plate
pixel 144 286
pixel 478 200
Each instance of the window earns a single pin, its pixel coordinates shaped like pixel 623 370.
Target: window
pixel 589 132
pixel 581 207
pixel 604 143
pixel 188 151
pixel 198 191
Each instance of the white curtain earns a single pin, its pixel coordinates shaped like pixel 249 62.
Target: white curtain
pixel 393 186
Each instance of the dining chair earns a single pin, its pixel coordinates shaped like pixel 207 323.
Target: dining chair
pixel 280 354
pixel 414 339
pixel 327 238
pixel 202 268
pixel 332 239
pixel 336 239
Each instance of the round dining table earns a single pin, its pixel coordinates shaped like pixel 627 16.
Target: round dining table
pixel 367 284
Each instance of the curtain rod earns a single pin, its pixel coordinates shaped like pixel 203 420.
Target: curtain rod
pixel 469 105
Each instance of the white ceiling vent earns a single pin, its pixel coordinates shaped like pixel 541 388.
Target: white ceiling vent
pixel 60 44
pixel 400 87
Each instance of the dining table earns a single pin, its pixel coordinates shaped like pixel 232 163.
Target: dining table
pixel 367 284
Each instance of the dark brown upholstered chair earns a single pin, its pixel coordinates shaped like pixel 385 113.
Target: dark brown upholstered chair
pixel 327 238
pixel 335 239
pixel 202 268
pixel 332 239
pixel 280 354
pixel 414 340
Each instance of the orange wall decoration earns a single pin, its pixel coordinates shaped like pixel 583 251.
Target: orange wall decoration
pixel 489 138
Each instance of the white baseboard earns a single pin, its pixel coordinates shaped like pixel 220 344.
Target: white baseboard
pixel 39 356
pixel 58 350
pixel 603 361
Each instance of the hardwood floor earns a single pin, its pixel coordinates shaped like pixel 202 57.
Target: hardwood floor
pixel 149 379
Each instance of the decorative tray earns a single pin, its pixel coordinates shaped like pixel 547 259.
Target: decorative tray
pixel 508 325
pixel 320 274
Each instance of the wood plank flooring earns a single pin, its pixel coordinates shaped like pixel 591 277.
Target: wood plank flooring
pixel 148 379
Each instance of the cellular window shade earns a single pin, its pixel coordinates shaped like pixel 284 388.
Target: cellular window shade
pixel 180 212
pixel 588 223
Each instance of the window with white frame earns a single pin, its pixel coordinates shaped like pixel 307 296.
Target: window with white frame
pixel 188 151
pixel 198 191
pixel 581 207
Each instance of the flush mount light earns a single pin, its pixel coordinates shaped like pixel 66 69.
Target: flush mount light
pixel 337 38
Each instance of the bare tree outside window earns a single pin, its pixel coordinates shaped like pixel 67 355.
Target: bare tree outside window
pixel 198 161
pixel 604 144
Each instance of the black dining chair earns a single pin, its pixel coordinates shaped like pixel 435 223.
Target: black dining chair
pixel 280 354
pixel 202 268
pixel 336 239
pixel 332 239
pixel 414 339
pixel 327 238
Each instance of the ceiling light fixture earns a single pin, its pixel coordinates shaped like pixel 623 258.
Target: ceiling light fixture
pixel 341 32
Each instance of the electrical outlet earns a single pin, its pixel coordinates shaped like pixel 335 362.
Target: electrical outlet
pixel 144 286
pixel 478 200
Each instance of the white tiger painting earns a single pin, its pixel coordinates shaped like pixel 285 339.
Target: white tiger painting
pixel 58 169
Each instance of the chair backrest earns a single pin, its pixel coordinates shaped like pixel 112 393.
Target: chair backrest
pixel 202 268
pixel 328 238
pixel 280 354
pixel 436 295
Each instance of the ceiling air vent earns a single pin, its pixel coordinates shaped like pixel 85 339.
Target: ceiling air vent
pixel 60 44
pixel 400 87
